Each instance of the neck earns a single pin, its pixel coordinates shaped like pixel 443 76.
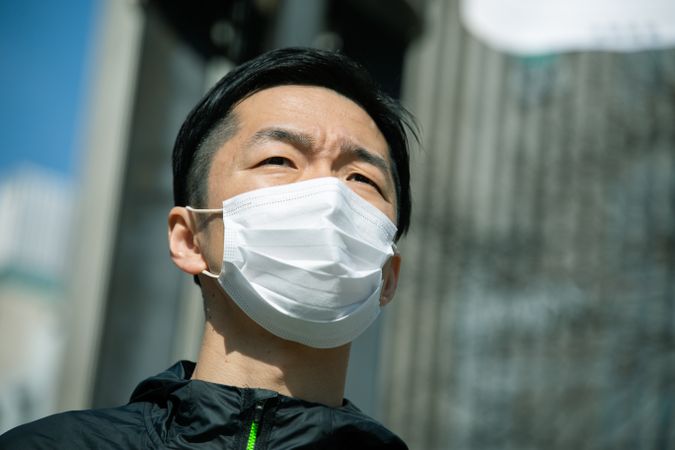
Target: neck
pixel 238 352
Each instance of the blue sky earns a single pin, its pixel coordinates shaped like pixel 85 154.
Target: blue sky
pixel 44 51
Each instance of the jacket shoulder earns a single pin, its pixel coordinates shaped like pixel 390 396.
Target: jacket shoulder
pixel 358 430
pixel 121 427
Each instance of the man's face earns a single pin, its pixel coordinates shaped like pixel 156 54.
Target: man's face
pixel 287 134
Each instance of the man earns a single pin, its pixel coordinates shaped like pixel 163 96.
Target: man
pixel 291 183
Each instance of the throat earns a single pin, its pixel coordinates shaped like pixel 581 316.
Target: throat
pixel 258 359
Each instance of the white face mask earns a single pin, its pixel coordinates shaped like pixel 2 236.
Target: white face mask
pixel 304 260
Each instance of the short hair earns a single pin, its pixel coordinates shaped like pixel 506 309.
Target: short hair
pixel 211 122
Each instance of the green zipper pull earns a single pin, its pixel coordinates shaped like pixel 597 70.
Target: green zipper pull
pixel 253 433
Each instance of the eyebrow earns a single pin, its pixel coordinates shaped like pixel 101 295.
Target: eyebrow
pixel 294 138
pixel 305 142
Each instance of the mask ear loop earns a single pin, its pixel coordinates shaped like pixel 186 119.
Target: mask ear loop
pixel 206 211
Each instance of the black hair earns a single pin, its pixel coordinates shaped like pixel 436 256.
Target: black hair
pixel 211 122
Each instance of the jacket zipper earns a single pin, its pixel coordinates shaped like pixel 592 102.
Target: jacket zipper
pixel 255 425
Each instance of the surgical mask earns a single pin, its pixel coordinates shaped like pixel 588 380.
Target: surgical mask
pixel 304 260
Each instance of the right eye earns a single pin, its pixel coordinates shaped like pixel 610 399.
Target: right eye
pixel 276 161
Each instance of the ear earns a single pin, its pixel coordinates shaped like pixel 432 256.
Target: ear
pixel 390 273
pixel 183 247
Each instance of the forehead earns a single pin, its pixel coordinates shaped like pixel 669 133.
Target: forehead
pixel 316 110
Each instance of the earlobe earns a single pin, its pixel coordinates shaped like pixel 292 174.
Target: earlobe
pixel 390 273
pixel 183 247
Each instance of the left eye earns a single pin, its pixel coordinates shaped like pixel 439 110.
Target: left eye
pixel 276 161
pixel 363 179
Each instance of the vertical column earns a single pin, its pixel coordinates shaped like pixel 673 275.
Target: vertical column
pixel 146 290
pixel 104 153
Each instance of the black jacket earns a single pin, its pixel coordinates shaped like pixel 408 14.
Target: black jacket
pixel 170 411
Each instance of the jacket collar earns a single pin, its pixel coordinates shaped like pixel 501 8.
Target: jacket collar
pixel 178 408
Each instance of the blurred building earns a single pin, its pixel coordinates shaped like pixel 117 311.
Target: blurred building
pixel 34 242
pixel 537 306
